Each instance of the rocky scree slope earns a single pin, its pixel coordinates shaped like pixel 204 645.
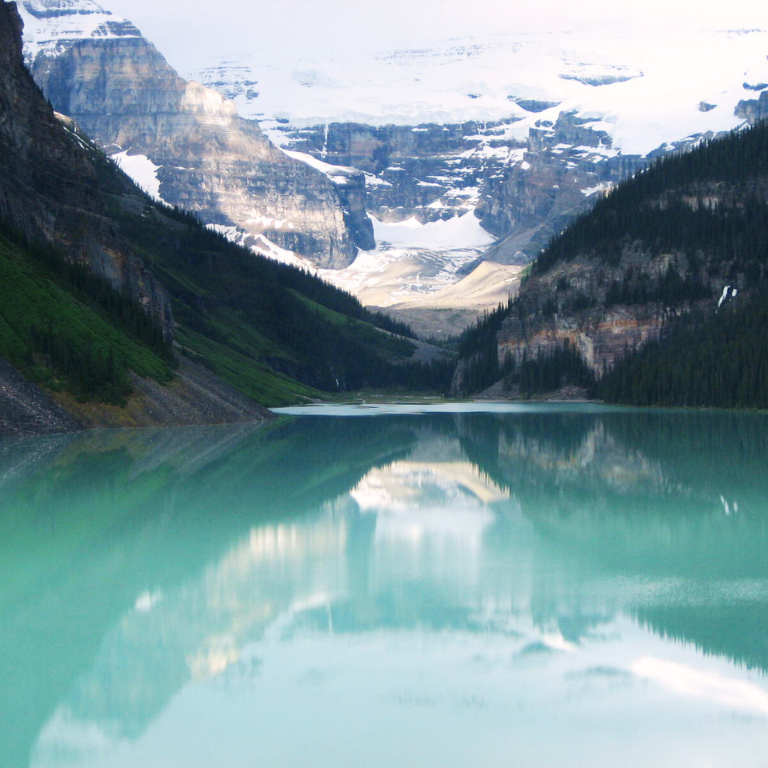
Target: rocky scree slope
pixel 122 92
pixel 686 238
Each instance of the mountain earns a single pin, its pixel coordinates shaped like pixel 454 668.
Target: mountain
pixel 525 127
pixel 182 142
pixel 520 130
pixel 656 296
pixel 129 312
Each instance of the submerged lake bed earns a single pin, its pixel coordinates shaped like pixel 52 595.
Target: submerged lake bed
pixel 435 586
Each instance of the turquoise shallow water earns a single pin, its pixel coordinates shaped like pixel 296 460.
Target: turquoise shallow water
pixel 528 586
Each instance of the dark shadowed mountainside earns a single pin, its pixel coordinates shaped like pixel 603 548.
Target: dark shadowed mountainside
pixel 102 290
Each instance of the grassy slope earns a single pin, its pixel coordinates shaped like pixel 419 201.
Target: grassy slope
pixel 31 296
pixel 278 335
pixel 236 313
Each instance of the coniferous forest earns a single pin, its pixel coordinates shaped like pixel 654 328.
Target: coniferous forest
pixel 708 210
pixel 272 331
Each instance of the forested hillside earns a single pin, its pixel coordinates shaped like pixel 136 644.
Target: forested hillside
pixel 99 284
pixel 656 296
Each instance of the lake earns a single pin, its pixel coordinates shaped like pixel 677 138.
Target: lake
pixel 552 586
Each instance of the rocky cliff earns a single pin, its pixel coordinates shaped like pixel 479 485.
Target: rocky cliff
pixel 523 191
pixel 565 166
pixel 754 110
pixel 50 187
pixel 568 306
pixel 122 92
pixel 428 171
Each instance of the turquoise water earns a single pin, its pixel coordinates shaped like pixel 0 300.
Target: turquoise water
pixel 533 586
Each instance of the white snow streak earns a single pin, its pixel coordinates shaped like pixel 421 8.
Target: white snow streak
pixel 142 170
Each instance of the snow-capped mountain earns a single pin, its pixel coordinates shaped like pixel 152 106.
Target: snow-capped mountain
pixel 51 27
pixel 642 88
pixel 525 128
pixel 182 142
pixel 510 129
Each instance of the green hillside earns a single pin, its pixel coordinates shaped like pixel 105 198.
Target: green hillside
pixel 276 333
pixel 70 331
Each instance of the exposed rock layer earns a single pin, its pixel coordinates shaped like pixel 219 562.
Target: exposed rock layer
pixel 565 167
pixel 584 300
pixel 427 171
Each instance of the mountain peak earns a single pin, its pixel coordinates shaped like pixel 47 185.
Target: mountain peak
pixel 52 8
pixel 51 27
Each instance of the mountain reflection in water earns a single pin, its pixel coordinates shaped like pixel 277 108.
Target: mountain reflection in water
pixel 549 584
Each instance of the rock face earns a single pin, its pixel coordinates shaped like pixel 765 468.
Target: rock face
pixel 122 92
pixel 351 188
pixel 601 335
pixel 754 110
pixel 524 192
pixel 429 171
pixel 50 188
pixel 565 166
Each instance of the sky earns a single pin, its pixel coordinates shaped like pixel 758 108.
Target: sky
pixel 183 29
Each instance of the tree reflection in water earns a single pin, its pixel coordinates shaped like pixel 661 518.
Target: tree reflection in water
pixel 137 565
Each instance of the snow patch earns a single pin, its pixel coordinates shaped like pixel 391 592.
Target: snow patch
pixel 728 293
pixel 455 233
pixel 411 260
pixel 263 246
pixel 143 172
pixel 326 168
pixel 601 188
pixel 268 222
pixel 53 26
pixel 375 181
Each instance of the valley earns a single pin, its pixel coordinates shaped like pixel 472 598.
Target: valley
pixel 429 210
pixel 524 130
